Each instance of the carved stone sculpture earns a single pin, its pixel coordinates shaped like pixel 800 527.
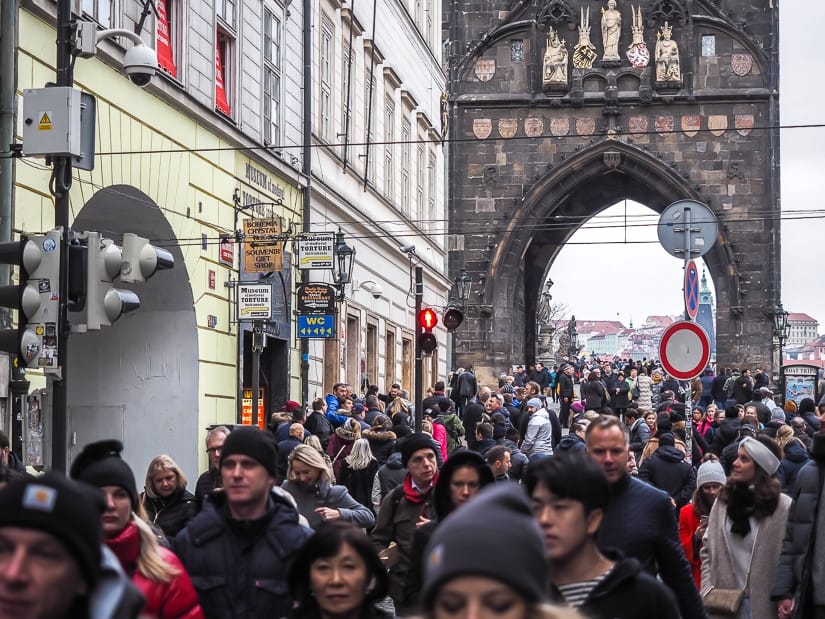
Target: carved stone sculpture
pixel 555 61
pixel 667 57
pixel 637 52
pixel 611 31
pixel 584 54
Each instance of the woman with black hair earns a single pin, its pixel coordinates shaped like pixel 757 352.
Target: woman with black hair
pixel 337 575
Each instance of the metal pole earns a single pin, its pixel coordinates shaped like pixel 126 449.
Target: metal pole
pixel 307 170
pixel 61 184
pixel 419 365
pixel 688 401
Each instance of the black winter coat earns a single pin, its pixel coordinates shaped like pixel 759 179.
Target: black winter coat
pixel 391 474
pixel 796 457
pixel 593 394
pixel 170 514
pixel 382 443
pixel 667 470
pixel 473 414
pixel 566 386
pixel 725 434
pixel 627 592
pixel 216 550
pixel 792 578
pixel 207 482
pixel 639 521
pixel 518 461
pixel 285 448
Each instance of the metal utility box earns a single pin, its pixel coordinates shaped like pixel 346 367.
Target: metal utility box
pixel 51 122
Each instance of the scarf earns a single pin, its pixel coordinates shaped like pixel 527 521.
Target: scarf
pixel 741 506
pixel 126 546
pixel 413 495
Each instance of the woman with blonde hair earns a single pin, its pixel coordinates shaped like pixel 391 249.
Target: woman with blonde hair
pixel 318 499
pixel 794 457
pixel 341 442
pixel 168 504
pixel 156 571
pixel 358 472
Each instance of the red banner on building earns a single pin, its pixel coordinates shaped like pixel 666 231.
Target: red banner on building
pixel 166 59
pixel 220 92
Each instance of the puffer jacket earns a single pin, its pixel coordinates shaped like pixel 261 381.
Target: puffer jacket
pixel 796 456
pixel 323 494
pixel 382 443
pixel 171 513
pixel 538 437
pixel 792 578
pixel 172 600
pixel 216 550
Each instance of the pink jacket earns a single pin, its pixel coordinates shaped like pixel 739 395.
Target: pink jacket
pixel 440 435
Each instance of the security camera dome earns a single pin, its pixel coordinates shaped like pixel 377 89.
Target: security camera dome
pixel 140 64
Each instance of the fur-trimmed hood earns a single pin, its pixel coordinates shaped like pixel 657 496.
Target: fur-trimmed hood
pixel 347 435
pixel 378 435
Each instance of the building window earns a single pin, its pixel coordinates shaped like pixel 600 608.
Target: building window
pixel 347 71
pixel 166 35
pixel 224 78
pixel 100 11
pixel 369 121
pixel 225 9
pixel 326 80
pixel 421 170
pixel 389 136
pixel 405 168
pixel 428 23
pixel 432 216
pixel 517 50
pixel 272 78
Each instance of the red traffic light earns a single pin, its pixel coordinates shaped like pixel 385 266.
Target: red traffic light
pixel 427 318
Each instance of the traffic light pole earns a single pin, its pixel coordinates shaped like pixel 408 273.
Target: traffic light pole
pixel 419 365
pixel 61 183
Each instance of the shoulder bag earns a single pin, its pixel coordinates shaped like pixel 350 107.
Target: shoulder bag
pixel 728 601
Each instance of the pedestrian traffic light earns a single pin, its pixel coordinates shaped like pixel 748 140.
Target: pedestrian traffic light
pixel 427 320
pixel 142 260
pixel 453 317
pixel 36 296
pixel 104 303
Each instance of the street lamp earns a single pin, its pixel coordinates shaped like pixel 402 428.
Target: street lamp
pixel 344 258
pixel 781 329
pixel 463 283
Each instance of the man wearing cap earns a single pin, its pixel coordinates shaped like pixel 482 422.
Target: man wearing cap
pixel 238 549
pixel 407 507
pixel 538 438
pixel 50 548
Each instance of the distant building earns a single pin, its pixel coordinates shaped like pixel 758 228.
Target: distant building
pixel 705 317
pixel 803 329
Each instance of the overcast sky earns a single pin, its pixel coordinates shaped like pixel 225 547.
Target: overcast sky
pixel 660 275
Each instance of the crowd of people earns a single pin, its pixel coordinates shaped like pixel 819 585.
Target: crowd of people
pixel 529 499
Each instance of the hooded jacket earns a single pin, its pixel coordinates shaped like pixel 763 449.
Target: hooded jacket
pixel 795 457
pixel 621 593
pixel 340 446
pixel 571 442
pixel 382 443
pixel 725 434
pixel 538 437
pixel 667 470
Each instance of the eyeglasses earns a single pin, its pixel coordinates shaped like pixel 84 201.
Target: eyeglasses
pixel 214 450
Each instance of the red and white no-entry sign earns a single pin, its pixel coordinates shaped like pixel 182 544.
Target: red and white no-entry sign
pixel 684 350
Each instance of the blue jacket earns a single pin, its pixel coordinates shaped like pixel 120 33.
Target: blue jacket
pixel 332 410
pixel 239 569
pixel 640 522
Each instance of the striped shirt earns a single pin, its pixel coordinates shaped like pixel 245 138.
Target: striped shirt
pixel 576 594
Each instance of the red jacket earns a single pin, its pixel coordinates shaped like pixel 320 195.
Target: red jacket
pixel 440 436
pixel 173 600
pixel 688 523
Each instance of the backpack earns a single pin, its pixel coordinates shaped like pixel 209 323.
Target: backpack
pixel 320 426
pixel 453 437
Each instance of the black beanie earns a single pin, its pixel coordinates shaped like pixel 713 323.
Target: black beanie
pixel 252 442
pixel 413 443
pixel 667 440
pixel 100 464
pixel 66 509
pixel 517 546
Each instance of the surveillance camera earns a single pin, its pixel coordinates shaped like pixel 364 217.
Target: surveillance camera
pixel 140 64
pixel 377 292
pixel 408 249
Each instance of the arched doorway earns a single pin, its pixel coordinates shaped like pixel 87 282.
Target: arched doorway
pixel 137 380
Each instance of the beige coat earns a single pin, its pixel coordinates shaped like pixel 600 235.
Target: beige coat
pixel 717 563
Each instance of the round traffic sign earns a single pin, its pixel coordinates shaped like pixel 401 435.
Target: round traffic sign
pixel 684 350
pixel 687 222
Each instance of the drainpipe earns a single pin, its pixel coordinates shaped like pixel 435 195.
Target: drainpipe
pixel 306 168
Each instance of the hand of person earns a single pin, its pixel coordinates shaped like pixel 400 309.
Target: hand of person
pixel 785 608
pixel 327 513
pixel 421 522
pixel 700 530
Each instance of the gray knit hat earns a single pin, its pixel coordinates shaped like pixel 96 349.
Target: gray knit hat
pixel 517 548
pixel 710 472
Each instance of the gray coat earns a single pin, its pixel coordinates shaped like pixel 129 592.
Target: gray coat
pixel 538 439
pixel 323 494
pixel 717 562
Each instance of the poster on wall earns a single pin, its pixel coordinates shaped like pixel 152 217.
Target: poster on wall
pixel 799 381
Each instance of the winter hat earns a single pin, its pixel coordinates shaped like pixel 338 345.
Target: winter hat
pixel 760 453
pixel 100 464
pixel 667 440
pixel 290 405
pixel 577 406
pixel 778 414
pixel 64 508
pixel 413 443
pixel 710 472
pixel 252 442
pixel 535 403
pixel 790 406
pixel 563 367
pixel 454 549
